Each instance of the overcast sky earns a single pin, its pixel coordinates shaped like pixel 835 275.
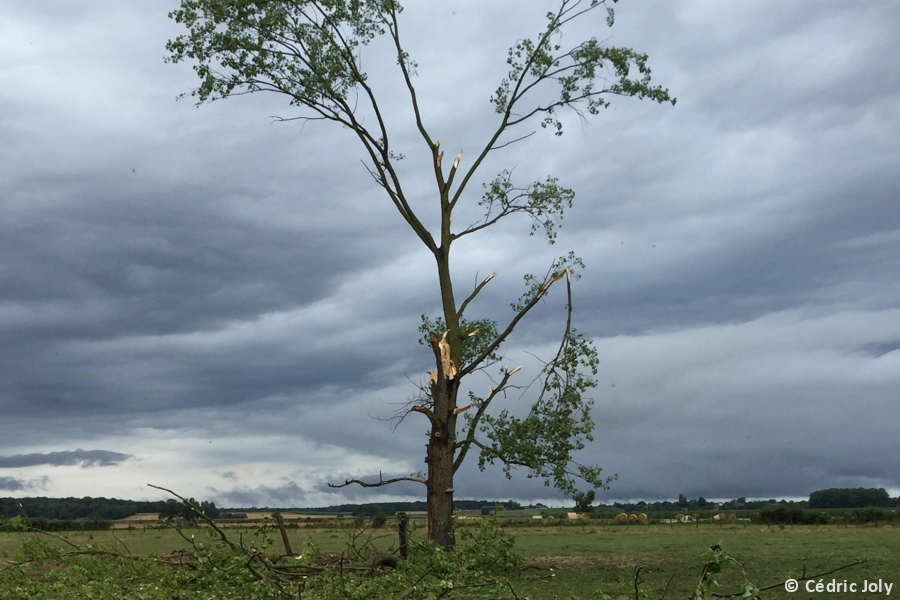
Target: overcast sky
pixel 205 300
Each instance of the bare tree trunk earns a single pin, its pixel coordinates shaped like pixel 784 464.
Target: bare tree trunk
pixel 444 387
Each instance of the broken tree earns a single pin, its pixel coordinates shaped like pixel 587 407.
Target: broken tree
pixel 310 52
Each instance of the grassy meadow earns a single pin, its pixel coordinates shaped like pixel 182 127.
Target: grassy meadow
pixel 590 557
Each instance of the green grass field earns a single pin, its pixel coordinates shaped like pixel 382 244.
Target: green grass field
pixel 597 558
pixel 591 557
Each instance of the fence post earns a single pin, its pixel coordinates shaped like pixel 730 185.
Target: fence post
pixel 284 535
pixel 403 531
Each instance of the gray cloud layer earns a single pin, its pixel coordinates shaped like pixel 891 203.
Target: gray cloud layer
pixel 14 484
pixel 237 296
pixel 82 458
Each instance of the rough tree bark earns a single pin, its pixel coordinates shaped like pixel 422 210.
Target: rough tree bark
pixel 439 458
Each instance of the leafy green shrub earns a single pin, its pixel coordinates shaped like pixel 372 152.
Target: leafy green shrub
pixel 874 515
pixel 781 514
pixel 484 565
pixel 65 524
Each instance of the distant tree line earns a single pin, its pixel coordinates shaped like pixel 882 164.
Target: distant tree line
pixel 103 509
pixel 830 498
pixel 77 508
pixel 67 524
pixel 683 504
pixel 792 514
pixel 174 510
pixel 111 508
pixel 851 498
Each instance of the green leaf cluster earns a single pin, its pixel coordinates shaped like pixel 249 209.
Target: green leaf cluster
pixel 543 201
pixel 304 49
pixel 715 560
pixel 537 288
pixel 559 424
pixel 585 74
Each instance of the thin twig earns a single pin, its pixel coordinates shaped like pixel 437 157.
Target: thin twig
pixel 200 513
pixel 666 589
pixel 637 581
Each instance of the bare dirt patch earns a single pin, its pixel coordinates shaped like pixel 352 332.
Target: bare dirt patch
pixel 142 517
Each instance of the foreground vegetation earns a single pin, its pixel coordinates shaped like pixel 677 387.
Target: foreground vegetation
pixel 589 560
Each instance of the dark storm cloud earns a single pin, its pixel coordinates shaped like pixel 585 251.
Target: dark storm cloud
pixel 137 263
pixel 92 283
pixel 11 483
pixel 14 484
pixel 831 232
pixel 883 348
pixel 806 265
pixel 82 458
pixel 206 274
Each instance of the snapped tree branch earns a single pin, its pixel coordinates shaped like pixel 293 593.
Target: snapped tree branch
pixel 381 481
